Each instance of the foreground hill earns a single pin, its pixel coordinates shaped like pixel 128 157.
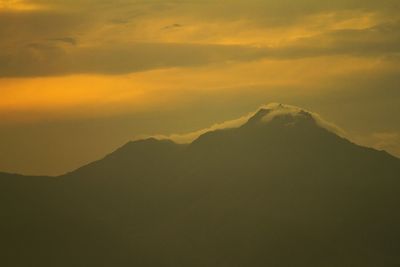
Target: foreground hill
pixel 279 190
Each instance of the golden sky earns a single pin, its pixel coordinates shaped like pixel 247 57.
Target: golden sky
pixel 80 77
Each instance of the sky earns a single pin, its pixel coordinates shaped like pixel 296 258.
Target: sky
pixel 79 78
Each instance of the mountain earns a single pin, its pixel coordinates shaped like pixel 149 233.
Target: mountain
pixel 279 190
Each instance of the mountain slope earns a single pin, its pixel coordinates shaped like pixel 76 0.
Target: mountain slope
pixel 280 190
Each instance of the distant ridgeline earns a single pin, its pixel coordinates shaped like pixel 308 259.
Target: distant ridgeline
pixel 278 190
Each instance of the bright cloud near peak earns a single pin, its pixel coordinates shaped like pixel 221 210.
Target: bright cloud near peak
pixel 274 110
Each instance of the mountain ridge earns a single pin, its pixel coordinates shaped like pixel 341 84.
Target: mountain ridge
pixel 277 190
pixel 286 114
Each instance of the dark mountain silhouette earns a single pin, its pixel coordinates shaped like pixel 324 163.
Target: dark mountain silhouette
pixel 278 191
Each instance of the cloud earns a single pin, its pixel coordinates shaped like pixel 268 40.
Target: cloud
pixel 189 137
pixel 19 6
pixel 40 59
pixel 172 26
pixel 47 58
pixel 278 109
pixel 66 40
pixel 344 80
pixel 387 141
pixel 139 35
pixel 19 29
pixel 382 39
pixel 41 46
pixel 275 110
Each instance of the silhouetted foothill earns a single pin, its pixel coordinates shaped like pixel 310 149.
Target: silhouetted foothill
pixel 280 190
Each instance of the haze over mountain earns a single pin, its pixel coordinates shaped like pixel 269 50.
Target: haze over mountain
pixel 281 189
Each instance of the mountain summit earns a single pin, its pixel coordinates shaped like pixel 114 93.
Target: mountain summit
pixel 279 111
pixel 280 189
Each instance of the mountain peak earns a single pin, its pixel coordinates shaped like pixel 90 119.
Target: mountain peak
pixel 280 113
pixel 274 114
